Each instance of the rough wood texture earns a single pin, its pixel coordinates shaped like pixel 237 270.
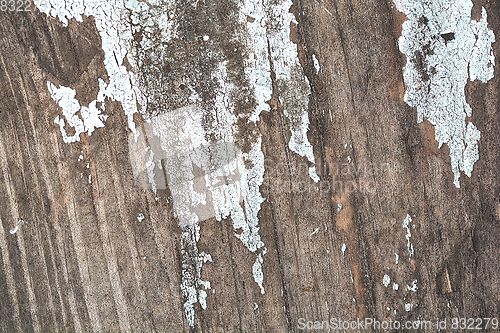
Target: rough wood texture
pixel 82 261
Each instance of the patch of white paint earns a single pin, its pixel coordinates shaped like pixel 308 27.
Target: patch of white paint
pixel 413 287
pixel 409 245
pixel 397 258
pixel 408 307
pixel 255 306
pixel 141 217
pixel 344 248
pixel 257 272
pixel 192 262
pixel 395 286
pixel 339 208
pixel 17 227
pixel 316 64
pixel 444 48
pixel 386 280
pixel 90 117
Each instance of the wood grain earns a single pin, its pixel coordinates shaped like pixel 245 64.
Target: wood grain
pixel 82 261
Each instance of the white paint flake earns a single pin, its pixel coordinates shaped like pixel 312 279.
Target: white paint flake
pixel 444 48
pixel 413 287
pixel 397 258
pixel 316 63
pixel 339 208
pixel 344 248
pixel 257 273
pixel 386 280
pixel 409 245
pixel 17 227
pixel 395 286
pixel 141 217
pixel 90 117
pixel 408 307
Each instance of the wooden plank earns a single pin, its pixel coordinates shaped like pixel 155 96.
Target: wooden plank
pixel 99 250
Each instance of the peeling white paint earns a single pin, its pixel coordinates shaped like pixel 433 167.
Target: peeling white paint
pixel 90 117
pixel 409 245
pixel 141 217
pixel 192 262
pixel 408 307
pixel 292 83
pixel 386 280
pixel 413 287
pixel 316 64
pixel 226 187
pixel 344 248
pixel 106 13
pixel 257 273
pixel 205 179
pixel 395 286
pixel 397 258
pixel 444 48
pixel 17 227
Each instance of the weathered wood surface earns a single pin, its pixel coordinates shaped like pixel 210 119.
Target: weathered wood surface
pixel 82 261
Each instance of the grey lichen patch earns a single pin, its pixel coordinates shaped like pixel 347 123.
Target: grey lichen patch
pixel 179 49
pixel 175 64
pixel 445 48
